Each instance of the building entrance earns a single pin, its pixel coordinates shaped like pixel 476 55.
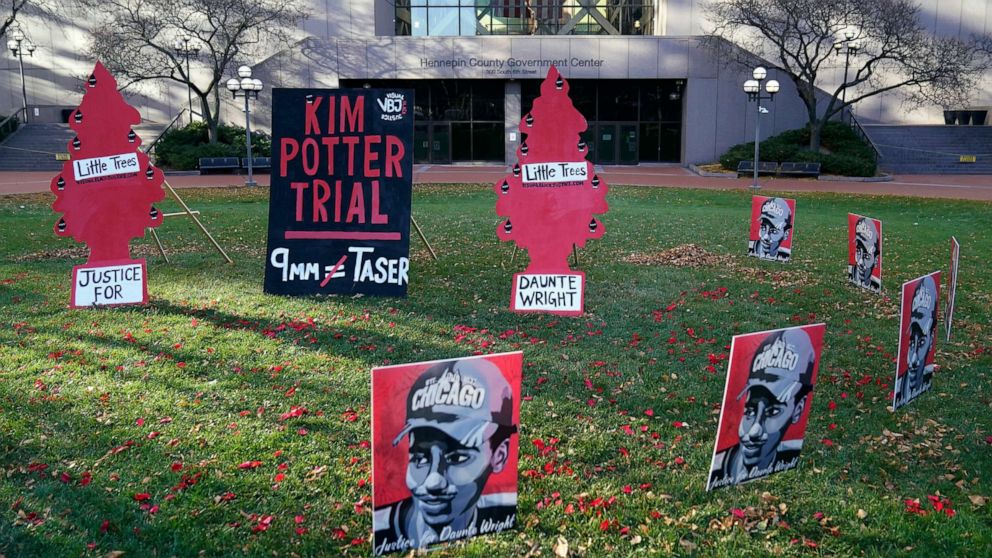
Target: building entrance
pixel 613 143
pixel 432 143
pixel 629 121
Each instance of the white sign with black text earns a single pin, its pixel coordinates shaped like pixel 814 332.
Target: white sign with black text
pixel 109 285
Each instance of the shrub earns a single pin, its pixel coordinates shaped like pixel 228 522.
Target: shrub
pixel 181 148
pixel 843 152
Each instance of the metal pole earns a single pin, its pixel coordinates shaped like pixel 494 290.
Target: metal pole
pixel 757 139
pixel 24 91
pixel 189 89
pixel 843 92
pixel 248 141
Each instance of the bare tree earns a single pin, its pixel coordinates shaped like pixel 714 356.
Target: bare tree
pixel 9 15
pixel 136 40
pixel 894 50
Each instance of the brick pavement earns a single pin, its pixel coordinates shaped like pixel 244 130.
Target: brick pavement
pixel 969 187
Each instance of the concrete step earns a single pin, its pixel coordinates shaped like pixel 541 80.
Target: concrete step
pixel 932 149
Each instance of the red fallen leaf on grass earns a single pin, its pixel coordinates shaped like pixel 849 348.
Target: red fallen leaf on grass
pixel 679 424
pixel 649 412
pixel 176 467
pixel 249 464
pixel 64 478
pixel 165 420
pixel 299 519
pixel 263 524
pixel 140 422
pixel 294 412
pixel 105 526
pixel 152 435
pixel 142 496
pixel 86 479
pixel 913 506
pixel 279 477
pixel 832 405
pixel 604 525
pixel 827 442
pixel 942 504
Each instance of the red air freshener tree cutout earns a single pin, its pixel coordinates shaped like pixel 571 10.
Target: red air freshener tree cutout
pixel 550 201
pixel 105 193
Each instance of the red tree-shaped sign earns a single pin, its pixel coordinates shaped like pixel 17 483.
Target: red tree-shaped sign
pixel 550 201
pixel 105 193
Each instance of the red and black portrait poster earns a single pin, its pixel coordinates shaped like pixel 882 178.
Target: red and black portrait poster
pixel 550 201
pixel 952 287
pixel 339 204
pixel 444 450
pixel 864 252
pixel 766 404
pixel 105 193
pixel 917 338
pixel 773 226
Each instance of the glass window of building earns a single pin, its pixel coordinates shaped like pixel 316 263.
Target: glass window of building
pixel 445 18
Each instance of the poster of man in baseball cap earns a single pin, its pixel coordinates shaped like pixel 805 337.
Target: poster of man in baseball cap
pixel 444 450
pixel 864 252
pixel 766 404
pixel 772 226
pixel 917 338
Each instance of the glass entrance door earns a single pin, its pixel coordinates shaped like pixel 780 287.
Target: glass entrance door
pixel 441 143
pixel 628 144
pixel 606 144
pixel 421 143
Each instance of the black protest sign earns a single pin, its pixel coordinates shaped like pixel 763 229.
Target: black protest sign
pixel 342 178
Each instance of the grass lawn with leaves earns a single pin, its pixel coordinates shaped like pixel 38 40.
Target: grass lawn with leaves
pixel 223 421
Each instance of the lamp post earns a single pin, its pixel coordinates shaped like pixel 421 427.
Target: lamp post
pixel 753 89
pixel 248 88
pixel 17 45
pixel 849 46
pixel 183 48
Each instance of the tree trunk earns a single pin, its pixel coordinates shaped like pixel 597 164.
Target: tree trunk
pixel 815 131
pixel 210 117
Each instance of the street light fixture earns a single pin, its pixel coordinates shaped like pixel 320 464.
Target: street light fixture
pixel 248 88
pixel 183 48
pixel 850 47
pixel 753 89
pixel 17 45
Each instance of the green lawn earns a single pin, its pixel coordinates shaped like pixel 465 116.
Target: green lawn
pixel 124 429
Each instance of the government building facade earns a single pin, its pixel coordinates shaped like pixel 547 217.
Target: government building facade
pixel 640 71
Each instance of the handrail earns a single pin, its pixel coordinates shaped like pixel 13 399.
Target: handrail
pixel 9 118
pixel 856 126
pixel 167 128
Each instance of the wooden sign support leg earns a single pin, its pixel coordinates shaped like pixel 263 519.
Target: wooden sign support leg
pixel 422 237
pixel 193 215
pixel 158 242
pixel 575 256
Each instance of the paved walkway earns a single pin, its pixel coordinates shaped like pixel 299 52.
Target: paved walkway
pixel 969 187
